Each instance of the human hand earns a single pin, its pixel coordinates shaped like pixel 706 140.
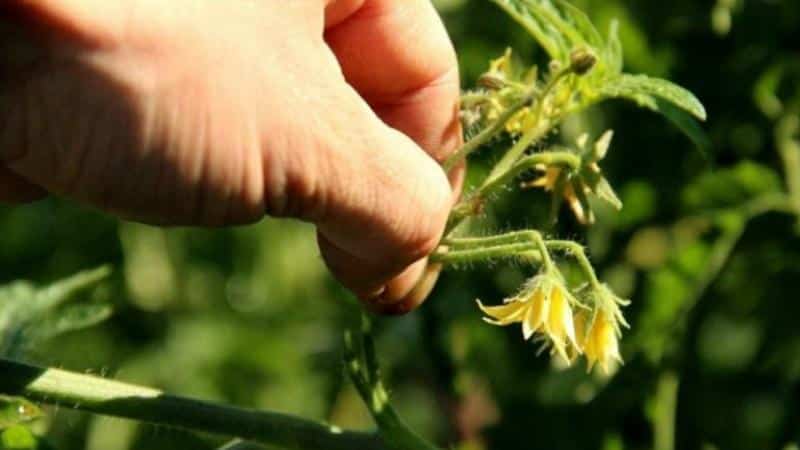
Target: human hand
pixel 194 112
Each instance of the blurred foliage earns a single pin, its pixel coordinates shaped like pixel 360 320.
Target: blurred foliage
pixel 250 316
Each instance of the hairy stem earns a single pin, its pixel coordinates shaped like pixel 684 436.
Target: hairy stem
pixel 534 133
pixel 474 249
pixel 526 250
pixel 490 131
pixel 114 398
pixel 362 367
pixel 471 205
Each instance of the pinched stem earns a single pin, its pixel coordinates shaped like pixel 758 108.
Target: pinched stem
pixel 114 398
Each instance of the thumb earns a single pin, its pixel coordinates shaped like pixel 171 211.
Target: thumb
pixel 386 206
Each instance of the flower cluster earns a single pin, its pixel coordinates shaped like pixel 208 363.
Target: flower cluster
pixel 574 186
pixel 568 326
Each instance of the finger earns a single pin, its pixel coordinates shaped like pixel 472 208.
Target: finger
pixel 397 55
pixel 15 189
pixel 385 204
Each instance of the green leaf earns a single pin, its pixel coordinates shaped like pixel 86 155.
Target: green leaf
pixel 687 124
pixel 645 91
pixel 544 33
pixel 27 313
pixel 582 24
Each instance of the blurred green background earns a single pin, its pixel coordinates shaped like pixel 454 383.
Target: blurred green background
pixel 249 316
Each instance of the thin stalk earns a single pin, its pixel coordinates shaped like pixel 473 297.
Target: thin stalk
pixel 579 253
pixel 487 241
pixel 114 398
pixel 789 150
pixel 665 406
pixel 473 249
pixel 489 132
pixel 471 204
pixel 533 134
pixel 361 366
pixel 455 257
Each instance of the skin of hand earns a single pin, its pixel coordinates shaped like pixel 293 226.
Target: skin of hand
pixel 213 113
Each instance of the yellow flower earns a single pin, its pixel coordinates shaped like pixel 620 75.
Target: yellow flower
pixel 544 306
pixel 551 179
pixel 575 185
pixel 600 341
pixel 598 335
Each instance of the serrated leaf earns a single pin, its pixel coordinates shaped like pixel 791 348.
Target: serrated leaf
pixel 645 91
pixel 582 23
pixel 544 33
pixel 687 124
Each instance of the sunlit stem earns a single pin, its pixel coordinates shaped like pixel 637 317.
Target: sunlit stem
pixel 114 398
pixel 531 135
pixel 526 250
pixel 471 205
pixel 476 249
pixel 490 131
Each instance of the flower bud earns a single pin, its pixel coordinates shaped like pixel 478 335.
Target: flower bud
pixel 491 80
pixel 582 61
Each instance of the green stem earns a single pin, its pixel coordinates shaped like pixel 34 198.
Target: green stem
pixel 455 257
pixel 471 204
pixel 490 131
pixel 533 134
pixel 114 398
pixel 789 150
pixel 361 366
pixel 579 253
pixel 474 249
pixel 665 406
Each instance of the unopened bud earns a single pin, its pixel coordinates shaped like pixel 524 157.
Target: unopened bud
pixel 491 81
pixel 582 61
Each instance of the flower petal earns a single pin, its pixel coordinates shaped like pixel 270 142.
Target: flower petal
pixel 503 314
pixel 536 314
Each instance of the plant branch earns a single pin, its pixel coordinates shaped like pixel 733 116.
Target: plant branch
pixel 531 135
pixel 472 203
pixel 490 131
pixel 361 365
pixel 473 249
pixel 114 398
pixel 455 257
